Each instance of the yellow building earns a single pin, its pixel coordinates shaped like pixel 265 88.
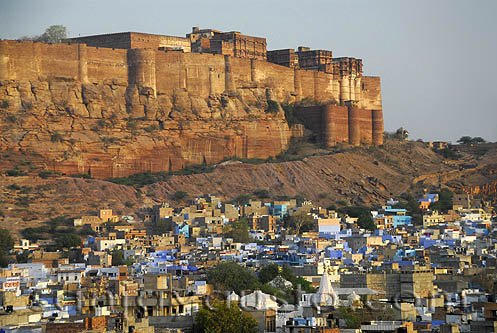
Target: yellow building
pixel 433 218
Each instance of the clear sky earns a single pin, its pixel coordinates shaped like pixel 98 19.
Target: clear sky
pixel 437 58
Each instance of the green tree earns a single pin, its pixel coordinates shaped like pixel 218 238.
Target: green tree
pixel 444 202
pixel 231 276
pixel 469 140
pixel 141 179
pixel 363 213
pixel 22 258
pixel 365 221
pixel 180 195
pixel 464 140
pixel 300 199
pixel 304 284
pixel 6 244
pixel 129 262
pixel 33 234
pixel 272 106
pixel 261 193
pixel 6 241
pixel 352 318
pixel 15 172
pixel 269 289
pixel 56 137
pixel 414 210
pixel 477 140
pixel 67 241
pixel 162 227
pixel 4 260
pixel 53 34
pixel 243 199
pixel 298 222
pixel 129 204
pixel 449 153
pixel 118 258
pixel 224 318
pixel 287 273
pixel 55 222
pixel 268 273
pixel 86 230
pixel 290 114
pixel 271 271
pixel 238 230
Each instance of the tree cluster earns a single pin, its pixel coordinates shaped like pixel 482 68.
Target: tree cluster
pixel 262 193
pixel 270 272
pixel 238 230
pixel 299 222
pixel 6 244
pixel 467 140
pixel 53 34
pixel 180 196
pixel 232 277
pixel 363 215
pixel 61 230
pixel 355 317
pixel 222 317
pixel 67 241
pixel 444 202
pixel 229 276
pixel 118 258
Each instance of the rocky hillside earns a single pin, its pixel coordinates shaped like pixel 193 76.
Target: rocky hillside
pixel 112 129
pixel 356 175
pixel 363 175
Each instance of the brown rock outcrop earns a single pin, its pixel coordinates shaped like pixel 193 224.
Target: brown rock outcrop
pixel 111 130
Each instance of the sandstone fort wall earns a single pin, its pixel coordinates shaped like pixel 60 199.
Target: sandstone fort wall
pixel 172 73
pixel 343 124
pixel 38 61
pixel 201 74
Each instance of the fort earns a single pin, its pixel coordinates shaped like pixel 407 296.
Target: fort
pixel 222 78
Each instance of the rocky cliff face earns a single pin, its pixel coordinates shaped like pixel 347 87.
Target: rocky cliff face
pixel 112 129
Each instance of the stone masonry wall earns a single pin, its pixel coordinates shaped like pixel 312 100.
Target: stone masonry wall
pixel 342 124
pixel 193 71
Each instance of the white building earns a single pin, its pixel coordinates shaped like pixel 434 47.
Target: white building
pixel 70 276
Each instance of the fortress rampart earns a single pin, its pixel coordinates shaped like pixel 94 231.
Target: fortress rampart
pixel 200 74
pixel 343 124
pixel 206 74
pixel 206 106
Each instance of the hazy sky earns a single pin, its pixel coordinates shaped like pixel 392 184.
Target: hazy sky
pixel 437 58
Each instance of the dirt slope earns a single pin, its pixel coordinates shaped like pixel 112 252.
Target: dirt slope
pixel 359 176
